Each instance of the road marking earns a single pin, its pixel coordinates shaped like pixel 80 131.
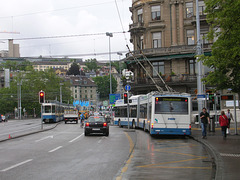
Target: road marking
pixel 229 155
pixel 131 150
pixel 171 162
pixel 181 167
pixel 44 138
pixel 59 147
pixel 16 165
pixel 75 138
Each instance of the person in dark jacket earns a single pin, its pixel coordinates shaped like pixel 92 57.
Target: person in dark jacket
pixel 224 123
pixel 204 116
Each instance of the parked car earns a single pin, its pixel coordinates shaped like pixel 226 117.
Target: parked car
pixel 96 124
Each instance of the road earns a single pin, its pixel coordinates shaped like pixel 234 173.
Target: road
pixel 65 153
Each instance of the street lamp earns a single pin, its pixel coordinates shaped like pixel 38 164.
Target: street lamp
pixel 110 68
pixel 120 54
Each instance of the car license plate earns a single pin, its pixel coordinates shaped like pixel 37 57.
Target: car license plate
pixel 96 129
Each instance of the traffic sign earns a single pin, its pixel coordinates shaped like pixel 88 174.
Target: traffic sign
pixel 127 87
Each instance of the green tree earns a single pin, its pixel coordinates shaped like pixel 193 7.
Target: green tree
pixel 103 86
pixel 224 18
pixel 74 69
pixel 91 64
pixel 14 65
pixel 31 83
pixel 118 65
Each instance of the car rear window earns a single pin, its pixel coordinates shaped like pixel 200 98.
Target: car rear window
pixel 96 119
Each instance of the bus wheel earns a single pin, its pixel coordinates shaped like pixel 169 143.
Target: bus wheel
pixel 133 125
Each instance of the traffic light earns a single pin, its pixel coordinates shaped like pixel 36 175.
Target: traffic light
pixel 211 97
pixel 41 97
pixel 125 97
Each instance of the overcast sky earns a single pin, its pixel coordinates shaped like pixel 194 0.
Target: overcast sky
pixel 51 18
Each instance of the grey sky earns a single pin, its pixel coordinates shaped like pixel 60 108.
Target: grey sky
pixel 47 18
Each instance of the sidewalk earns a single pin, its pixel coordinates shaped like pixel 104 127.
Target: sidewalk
pixel 225 153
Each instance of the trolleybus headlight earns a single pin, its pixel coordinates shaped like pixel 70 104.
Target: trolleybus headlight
pixel 190 126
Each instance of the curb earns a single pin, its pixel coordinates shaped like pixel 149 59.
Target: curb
pixel 217 162
pixel 35 132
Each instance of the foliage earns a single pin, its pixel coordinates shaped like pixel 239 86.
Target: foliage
pixel 103 85
pixel 14 65
pixel 118 65
pixel 31 83
pixel 224 18
pixel 74 69
pixel 91 64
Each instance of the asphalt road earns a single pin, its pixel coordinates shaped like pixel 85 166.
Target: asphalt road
pixel 65 153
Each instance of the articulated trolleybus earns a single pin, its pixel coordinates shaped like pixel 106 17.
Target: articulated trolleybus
pixel 170 114
pixel 158 113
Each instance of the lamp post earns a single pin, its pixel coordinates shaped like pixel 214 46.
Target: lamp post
pixel 120 54
pixel 110 68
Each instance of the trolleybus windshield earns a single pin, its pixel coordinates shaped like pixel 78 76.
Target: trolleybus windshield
pixel 171 105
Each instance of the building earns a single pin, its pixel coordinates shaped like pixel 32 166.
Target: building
pixel 83 89
pixel 164 32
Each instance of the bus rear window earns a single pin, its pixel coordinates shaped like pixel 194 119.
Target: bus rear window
pixel 171 105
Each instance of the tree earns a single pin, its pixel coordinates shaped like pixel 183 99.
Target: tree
pixel 118 65
pixel 91 64
pixel 74 69
pixel 31 83
pixel 224 18
pixel 103 85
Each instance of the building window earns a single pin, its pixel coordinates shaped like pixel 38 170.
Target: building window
pixel 203 35
pixel 140 15
pixel 159 68
pixel 157 39
pixel 192 67
pixel 140 42
pixel 189 9
pixel 85 91
pixel 75 90
pixel 75 96
pixel 190 37
pixel 201 7
pixel 156 12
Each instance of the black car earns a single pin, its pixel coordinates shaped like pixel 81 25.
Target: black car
pixel 96 124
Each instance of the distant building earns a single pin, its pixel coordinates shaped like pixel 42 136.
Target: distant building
pixel 83 89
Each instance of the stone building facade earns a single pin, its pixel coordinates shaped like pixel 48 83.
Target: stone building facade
pixel 164 33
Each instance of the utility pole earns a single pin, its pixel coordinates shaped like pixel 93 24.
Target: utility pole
pixel 199 63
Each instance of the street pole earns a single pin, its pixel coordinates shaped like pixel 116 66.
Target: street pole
pixel 110 68
pixel 128 109
pixel 235 114
pixel 199 63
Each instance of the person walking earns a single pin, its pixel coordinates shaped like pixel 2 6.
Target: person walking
pixel 229 117
pixel 204 116
pixel 224 123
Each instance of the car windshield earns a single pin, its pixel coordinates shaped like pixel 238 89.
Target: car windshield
pixel 96 119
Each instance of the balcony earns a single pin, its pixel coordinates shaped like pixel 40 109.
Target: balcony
pixel 136 27
pixel 174 50
pixel 145 84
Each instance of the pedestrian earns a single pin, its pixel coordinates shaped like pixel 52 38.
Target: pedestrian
pixel 204 116
pixel 229 117
pixel 224 123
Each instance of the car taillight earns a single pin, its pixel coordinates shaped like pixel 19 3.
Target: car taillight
pixel 104 124
pixel 87 124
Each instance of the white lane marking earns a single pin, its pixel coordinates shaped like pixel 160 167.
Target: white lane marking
pixel 16 165
pixel 59 147
pixel 44 138
pixel 75 138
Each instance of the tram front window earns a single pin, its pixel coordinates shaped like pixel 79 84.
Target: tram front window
pixel 47 109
